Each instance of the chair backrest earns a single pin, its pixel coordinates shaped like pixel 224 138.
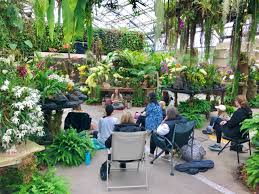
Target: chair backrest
pixel 128 145
pixel 78 120
pixel 183 132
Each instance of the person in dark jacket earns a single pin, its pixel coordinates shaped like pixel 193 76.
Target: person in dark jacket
pixel 232 127
pixel 166 128
pixel 78 119
pixel 127 124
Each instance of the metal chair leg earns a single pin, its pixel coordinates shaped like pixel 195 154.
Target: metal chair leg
pixel 224 147
pixel 157 156
pixel 237 147
pixel 171 165
pixel 249 144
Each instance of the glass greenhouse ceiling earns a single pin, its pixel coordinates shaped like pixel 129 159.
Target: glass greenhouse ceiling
pixel 141 18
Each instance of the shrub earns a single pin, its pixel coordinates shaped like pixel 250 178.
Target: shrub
pixel 198 118
pixel 254 103
pixel 45 183
pixel 195 106
pixel 68 149
pixel 252 170
pixel 252 164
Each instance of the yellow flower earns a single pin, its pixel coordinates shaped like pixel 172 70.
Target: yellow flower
pixel 70 86
pixel 82 68
pixel 203 71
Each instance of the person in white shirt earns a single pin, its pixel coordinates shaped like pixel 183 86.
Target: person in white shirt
pixel 167 125
pixel 106 125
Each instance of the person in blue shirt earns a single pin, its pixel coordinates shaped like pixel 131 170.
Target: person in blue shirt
pixel 154 114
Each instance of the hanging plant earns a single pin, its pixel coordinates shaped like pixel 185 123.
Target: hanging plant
pixel 159 12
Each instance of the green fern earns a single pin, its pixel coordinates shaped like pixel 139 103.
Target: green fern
pixel 45 183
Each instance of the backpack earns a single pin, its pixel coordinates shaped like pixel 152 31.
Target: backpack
pixel 103 171
pixel 198 151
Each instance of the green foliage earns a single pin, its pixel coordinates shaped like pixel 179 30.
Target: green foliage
pixel 113 40
pixel 198 118
pixel 93 101
pixel 194 110
pixel 47 183
pixel 69 148
pixel 252 125
pixel 252 164
pixel 252 170
pixel 10 180
pixel 51 19
pixel 230 109
pixel 254 103
pixel 45 159
pixel 195 105
pixel 40 8
pixel 138 97
pixel 160 14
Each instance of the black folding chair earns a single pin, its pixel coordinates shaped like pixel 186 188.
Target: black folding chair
pixel 237 142
pixel 181 135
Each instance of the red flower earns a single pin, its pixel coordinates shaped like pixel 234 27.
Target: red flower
pixel 40 65
pixel 22 71
pixel 66 46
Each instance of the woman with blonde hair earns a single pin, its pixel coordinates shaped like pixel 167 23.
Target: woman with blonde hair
pixel 231 128
pixel 127 124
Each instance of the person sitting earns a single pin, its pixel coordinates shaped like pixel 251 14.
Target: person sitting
pixel 167 125
pixel 127 124
pixel 154 115
pixel 221 116
pixel 105 126
pixel 231 128
pixel 78 119
pixel 117 100
pixel 163 106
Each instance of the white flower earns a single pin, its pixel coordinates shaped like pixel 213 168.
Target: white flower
pixel 9 132
pixel 4 88
pixel 15 120
pixel 231 77
pixel 17 113
pixel 4 71
pixel 6 139
pixel 6 82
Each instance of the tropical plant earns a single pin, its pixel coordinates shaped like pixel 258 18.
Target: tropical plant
pixel 69 148
pixel 195 106
pixel 46 182
pixel 193 116
pixel 252 164
pixel 254 103
pixel 138 97
pixel 252 125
